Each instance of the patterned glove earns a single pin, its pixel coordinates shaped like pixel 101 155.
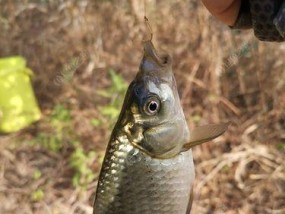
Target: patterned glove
pixel 266 17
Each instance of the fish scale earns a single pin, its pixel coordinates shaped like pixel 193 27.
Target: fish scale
pixel 150 194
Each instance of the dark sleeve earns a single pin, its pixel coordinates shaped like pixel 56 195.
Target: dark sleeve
pixel 244 20
pixel 266 17
pixel 279 20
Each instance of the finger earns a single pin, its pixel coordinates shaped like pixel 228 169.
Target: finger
pixel 225 10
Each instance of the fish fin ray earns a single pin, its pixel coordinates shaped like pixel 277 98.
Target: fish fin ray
pixel 189 207
pixel 205 133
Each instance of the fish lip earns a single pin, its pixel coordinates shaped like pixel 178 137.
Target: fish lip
pixel 152 62
pixel 151 53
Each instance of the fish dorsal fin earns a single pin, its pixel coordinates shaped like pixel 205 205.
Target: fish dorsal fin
pixel 205 133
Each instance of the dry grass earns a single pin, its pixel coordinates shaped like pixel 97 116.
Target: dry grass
pixel 221 74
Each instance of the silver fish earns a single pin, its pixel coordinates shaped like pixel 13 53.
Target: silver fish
pixel 148 167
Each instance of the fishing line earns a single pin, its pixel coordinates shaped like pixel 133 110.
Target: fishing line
pixel 146 21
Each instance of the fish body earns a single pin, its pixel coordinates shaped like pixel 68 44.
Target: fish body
pixel 132 182
pixel 148 166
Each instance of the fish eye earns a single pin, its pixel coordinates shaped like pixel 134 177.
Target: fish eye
pixel 152 106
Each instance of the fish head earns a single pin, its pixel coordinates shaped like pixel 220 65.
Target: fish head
pixel 152 114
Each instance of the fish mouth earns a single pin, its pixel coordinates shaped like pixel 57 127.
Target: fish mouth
pixel 151 53
pixel 152 62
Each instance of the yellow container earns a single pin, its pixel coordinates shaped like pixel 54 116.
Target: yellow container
pixel 18 106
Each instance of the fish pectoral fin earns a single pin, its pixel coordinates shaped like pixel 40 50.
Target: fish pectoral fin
pixel 205 133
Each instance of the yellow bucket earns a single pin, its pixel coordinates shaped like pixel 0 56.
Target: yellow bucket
pixel 18 106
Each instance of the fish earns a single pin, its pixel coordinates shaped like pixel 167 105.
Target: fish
pixel 148 166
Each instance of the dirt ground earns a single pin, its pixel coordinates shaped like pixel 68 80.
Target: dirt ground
pixel 222 75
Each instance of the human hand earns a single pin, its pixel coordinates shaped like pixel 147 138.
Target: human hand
pixel 225 10
pixel 267 17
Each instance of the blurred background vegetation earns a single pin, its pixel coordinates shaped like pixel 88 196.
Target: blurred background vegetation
pixel 85 53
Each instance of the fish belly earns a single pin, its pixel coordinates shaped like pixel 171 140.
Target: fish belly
pixel 133 182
